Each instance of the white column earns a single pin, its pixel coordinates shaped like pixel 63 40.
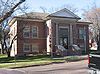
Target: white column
pixel 48 36
pixel 57 41
pixel 85 38
pixel 71 35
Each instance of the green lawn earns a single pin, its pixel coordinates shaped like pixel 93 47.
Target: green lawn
pixel 12 62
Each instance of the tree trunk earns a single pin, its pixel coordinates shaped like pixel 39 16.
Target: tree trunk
pixel 2 48
pixel 98 43
pixel 8 54
pixel 2 51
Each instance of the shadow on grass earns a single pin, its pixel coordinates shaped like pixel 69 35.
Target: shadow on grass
pixel 24 58
pixel 36 58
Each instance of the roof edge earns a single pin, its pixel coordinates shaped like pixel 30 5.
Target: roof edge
pixel 64 17
pixel 84 22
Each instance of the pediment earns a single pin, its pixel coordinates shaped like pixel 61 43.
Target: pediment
pixel 64 13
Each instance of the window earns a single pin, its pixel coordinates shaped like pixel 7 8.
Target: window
pixel 26 32
pixel 26 47
pixel 35 48
pixel 81 33
pixel 63 32
pixel 34 32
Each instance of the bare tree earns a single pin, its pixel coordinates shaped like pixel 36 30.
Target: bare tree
pixel 93 15
pixel 7 7
pixel 53 9
pixel 6 45
pixel 43 9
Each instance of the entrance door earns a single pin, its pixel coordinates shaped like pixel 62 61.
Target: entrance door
pixel 64 42
pixel 63 37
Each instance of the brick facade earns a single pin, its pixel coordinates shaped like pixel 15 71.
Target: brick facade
pixel 40 41
pixel 48 31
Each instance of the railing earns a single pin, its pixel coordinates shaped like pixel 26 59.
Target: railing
pixel 60 47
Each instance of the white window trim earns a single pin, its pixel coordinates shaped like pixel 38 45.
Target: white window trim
pixel 81 34
pixel 64 27
pixel 32 32
pixel 29 33
pixel 24 47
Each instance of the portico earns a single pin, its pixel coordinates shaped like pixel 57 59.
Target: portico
pixel 63 30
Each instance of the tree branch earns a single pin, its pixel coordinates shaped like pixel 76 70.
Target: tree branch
pixel 8 14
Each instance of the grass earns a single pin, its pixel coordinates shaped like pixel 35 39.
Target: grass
pixel 12 62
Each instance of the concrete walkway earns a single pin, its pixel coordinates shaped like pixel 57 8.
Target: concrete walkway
pixel 11 71
pixel 79 67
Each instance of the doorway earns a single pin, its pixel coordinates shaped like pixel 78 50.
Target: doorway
pixel 63 37
pixel 64 42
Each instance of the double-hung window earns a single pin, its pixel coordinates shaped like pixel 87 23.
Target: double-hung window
pixel 26 32
pixel 34 32
pixel 26 47
pixel 81 33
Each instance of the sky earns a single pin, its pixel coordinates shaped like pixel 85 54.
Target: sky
pixel 34 5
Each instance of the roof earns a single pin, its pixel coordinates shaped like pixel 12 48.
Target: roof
pixel 84 22
pixel 34 15
pixel 64 13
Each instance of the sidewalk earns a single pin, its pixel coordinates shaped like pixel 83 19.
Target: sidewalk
pixel 82 57
pixel 11 71
pixel 16 71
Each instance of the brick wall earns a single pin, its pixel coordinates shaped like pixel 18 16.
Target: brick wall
pixel 40 41
pixel 81 41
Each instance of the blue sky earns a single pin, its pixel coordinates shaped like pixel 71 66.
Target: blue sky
pixel 34 5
